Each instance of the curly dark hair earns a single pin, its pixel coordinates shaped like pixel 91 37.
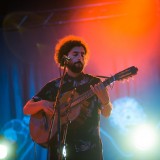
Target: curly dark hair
pixel 65 45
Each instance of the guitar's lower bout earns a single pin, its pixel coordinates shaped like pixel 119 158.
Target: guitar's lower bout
pixel 39 128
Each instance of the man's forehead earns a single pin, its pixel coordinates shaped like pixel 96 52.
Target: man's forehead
pixel 78 49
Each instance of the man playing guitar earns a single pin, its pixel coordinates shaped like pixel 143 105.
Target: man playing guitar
pixel 82 138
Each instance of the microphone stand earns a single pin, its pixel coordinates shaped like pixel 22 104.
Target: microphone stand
pixel 58 115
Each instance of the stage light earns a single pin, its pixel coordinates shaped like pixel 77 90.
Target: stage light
pixel 7 149
pixel 144 137
pixel 127 112
pixel 3 151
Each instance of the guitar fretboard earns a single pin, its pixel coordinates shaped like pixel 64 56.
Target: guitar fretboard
pixel 88 94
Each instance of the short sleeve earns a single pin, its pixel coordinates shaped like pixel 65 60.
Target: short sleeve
pixel 48 92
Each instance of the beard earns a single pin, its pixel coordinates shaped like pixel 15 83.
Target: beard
pixel 75 67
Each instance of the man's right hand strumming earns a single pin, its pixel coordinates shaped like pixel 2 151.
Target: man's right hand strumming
pixel 33 107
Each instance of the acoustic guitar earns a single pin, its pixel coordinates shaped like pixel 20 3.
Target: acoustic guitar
pixel 40 123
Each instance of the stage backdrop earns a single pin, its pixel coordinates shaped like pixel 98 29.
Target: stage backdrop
pixel 115 43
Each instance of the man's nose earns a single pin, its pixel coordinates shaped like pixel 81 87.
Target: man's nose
pixel 80 57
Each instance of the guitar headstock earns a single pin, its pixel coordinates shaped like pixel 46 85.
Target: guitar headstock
pixel 127 73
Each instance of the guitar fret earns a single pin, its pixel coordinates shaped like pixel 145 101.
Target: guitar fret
pixel 90 93
pixel 83 97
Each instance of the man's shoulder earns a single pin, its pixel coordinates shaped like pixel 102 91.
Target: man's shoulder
pixel 92 77
pixel 53 82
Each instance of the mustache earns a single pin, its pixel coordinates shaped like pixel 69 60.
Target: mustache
pixel 79 62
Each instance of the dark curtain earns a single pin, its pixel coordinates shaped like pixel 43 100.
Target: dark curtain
pixel 23 73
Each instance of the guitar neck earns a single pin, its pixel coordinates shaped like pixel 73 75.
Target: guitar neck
pixel 119 76
pixel 88 94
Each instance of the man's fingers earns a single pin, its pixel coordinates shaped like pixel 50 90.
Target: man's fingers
pixel 48 110
pixel 98 87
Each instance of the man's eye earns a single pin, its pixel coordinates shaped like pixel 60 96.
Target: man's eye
pixel 75 54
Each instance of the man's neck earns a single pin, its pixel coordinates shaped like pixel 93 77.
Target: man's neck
pixel 72 74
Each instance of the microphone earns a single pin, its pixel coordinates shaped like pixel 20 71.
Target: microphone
pixel 66 58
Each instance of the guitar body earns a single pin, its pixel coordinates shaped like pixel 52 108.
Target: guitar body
pixel 40 123
pixel 39 128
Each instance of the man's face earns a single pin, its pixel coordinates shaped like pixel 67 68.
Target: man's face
pixel 77 55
